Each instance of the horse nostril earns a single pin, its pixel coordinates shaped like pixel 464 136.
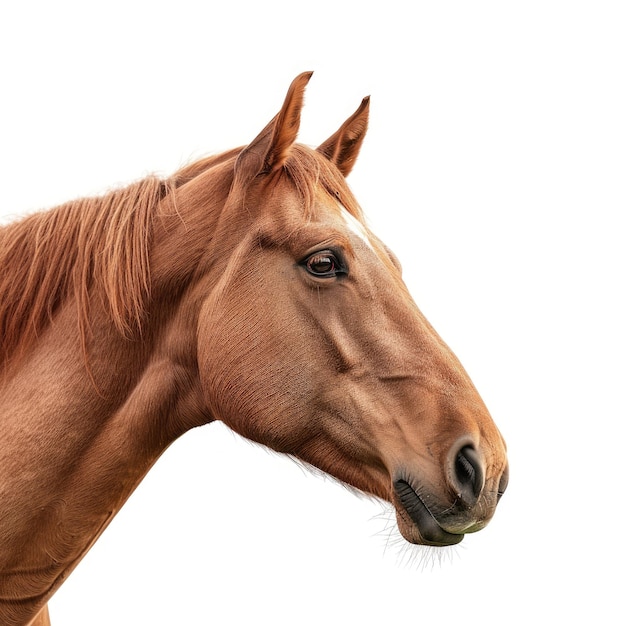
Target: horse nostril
pixel 504 481
pixel 468 476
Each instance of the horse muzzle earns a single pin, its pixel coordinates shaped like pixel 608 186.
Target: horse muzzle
pixel 424 529
pixel 442 516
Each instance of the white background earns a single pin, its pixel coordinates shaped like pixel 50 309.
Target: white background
pixel 494 167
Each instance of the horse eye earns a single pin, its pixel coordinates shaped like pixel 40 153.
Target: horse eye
pixel 323 264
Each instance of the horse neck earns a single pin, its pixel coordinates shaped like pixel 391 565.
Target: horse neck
pixel 81 428
pixel 70 455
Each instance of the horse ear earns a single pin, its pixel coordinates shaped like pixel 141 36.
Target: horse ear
pixel 343 147
pixel 269 151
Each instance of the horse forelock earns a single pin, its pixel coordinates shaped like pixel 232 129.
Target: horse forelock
pixel 311 172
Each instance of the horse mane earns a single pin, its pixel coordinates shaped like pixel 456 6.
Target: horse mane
pixel 50 256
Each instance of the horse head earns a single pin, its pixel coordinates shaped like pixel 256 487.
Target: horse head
pixel 310 343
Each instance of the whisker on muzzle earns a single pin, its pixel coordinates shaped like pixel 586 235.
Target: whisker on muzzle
pixel 409 555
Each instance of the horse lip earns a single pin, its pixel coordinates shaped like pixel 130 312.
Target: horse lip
pixel 429 528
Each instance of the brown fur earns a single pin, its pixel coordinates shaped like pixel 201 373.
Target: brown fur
pixel 129 319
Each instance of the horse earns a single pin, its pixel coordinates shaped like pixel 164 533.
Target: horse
pixel 247 288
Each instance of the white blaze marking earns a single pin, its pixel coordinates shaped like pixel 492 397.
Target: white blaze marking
pixel 356 227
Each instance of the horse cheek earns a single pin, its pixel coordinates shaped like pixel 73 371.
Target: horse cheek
pixel 248 381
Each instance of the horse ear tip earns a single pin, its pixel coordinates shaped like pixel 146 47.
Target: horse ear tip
pixel 301 81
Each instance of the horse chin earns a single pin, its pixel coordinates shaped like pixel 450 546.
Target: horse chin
pixel 415 521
